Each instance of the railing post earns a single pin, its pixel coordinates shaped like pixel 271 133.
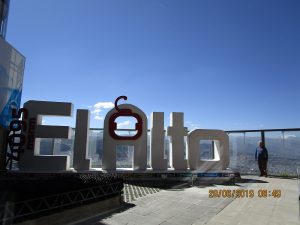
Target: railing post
pixel 263 137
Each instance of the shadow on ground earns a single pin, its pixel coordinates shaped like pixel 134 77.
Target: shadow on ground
pixel 96 220
pixel 249 180
pixel 283 177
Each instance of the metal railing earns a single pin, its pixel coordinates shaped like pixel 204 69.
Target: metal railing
pixel 11 211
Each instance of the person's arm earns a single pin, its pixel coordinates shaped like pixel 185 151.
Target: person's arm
pixel 267 156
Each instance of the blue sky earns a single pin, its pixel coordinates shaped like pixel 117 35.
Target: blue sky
pixel 225 64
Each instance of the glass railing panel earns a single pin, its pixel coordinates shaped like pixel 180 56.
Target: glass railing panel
pixel 236 144
pixel 207 149
pixel 283 148
pixel 46 146
pixel 124 154
pixel 65 147
pixel 148 149
pixel 284 154
pixel 167 149
pixel 242 151
pixel 96 148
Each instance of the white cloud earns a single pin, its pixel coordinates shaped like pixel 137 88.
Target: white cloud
pixel 123 124
pixel 104 105
pixel 100 107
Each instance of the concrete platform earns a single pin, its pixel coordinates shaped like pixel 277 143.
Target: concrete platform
pixel 192 205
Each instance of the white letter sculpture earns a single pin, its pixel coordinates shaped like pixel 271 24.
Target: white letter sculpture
pixel 31 160
pixel 157 142
pixel 221 150
pixel 110 144
pixel 81 142
pixel 177 132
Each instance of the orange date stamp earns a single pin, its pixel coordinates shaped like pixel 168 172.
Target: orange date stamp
pixel 244 193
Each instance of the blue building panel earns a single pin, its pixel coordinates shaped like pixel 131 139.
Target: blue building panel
pixel 11 81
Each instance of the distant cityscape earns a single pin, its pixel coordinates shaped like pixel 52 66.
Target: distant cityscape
pixel 284 154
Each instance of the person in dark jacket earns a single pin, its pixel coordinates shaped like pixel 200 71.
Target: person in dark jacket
pixel 261 156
